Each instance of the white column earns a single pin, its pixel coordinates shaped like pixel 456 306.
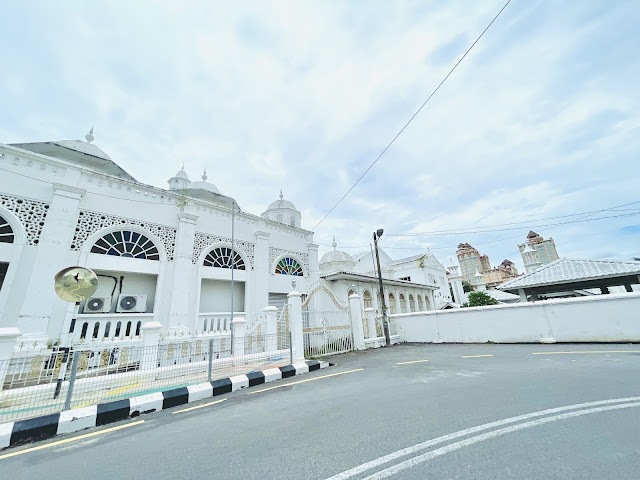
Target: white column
pixel 182 289
pixel 239 326
pixel 314 269
pixel 150 339
pixel 295 324
pixel 261 271
pixel 271 314
pixel 41 302
pixel 458 290
pixel 8 339
pixel 523 295
pixel 355 310
pixel 370 314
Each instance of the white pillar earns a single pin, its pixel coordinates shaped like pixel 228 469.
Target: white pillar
pixel 523 295
pixel 261 271
pixel 182 291
pixel 314 269
pixel 370 314
pixel 458 290
pixel 295 324
pixel 271 314
pixel 8 339
pixel 355 310
pixel 150 339
pixel 239 326
pixel 53 247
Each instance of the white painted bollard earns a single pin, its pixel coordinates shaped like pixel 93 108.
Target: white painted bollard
pixel 239 326
pixel 8 339
pixel 355 310
pixel 370 314
pixel 150 339
pixel 295 325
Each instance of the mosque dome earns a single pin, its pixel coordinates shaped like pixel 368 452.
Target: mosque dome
pixel 283 211
pixel 336 260
pixel 196 189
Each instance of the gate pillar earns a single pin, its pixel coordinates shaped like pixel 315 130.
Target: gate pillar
pixel 355 311
pixel 295 324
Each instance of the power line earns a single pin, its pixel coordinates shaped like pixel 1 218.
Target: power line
pixel 413 116
pixel 528 222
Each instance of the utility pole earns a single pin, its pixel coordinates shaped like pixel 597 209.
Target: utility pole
pixel 385 323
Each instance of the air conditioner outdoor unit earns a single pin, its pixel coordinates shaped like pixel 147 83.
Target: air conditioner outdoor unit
pixel 97 305
pixel 128 303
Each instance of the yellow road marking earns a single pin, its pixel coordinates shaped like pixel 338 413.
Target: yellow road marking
pixel 115 392
pixel 68 440
pixel 198 406
pixel 476 356
pixel 413 361
pixel 306 380
pixel 586 351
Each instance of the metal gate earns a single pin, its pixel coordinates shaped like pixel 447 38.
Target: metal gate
pixel 326 324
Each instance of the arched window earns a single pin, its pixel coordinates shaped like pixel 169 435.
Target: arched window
pixel 351 292
pixel 420 306
pixel 392 303
pixel 125 243
pixel 223 257
pixel 138 325
pixel 96 329
pixel 288 266
pixel 403 304
pixel 366 298
pixel 118 326
pixel 83 333
pixel 412 303
pixel 107 328
pixel 427 305
pixel 6 232
pixel 128 332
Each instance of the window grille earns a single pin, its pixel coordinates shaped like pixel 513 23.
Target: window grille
pixel 125 243
pixel 223 257
pixel 6 232
pixel 288 266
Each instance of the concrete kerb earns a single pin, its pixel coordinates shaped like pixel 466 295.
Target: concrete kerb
pixel 20 432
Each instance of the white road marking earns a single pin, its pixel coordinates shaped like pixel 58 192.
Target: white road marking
pixel 412 462
pixel 445 438
pixel 412 361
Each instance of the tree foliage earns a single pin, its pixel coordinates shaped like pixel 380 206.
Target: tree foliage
pixel 479 299
pixel 466 287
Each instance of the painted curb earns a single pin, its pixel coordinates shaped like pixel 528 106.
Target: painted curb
pixel 69 421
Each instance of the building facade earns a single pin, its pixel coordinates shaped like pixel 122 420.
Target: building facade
pixel 160 254
pixel 471 262
pixel 546 249
pixel 500 274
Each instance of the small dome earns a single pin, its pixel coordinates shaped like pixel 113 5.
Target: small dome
pixel 281 203
pixel 181 174
pixel 203 186
pixel 336 260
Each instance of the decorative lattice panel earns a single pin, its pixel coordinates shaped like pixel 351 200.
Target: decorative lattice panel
pixel 91 222
pixel 204 241
pixel 276 253
pixel 31 213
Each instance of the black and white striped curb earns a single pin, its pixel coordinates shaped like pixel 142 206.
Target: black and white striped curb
pixel 68 421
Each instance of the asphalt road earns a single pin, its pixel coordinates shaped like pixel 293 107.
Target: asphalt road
pixel 517 411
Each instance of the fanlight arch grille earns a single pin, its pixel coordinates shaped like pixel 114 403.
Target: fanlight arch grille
pixel 223 257
pixel 289 266
pixel 125 243
pixel 6 232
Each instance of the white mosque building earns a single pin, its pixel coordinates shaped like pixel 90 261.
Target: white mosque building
pixel 163 254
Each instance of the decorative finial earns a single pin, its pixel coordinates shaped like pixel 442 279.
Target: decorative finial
pixel 204 175
pixel 182 166
pixel 334 244
pixel 281 196
pixel 89 136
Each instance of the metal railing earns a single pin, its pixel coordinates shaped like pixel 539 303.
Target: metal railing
pixel 326 332
pixel 91 376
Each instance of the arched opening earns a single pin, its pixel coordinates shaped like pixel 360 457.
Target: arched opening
pixel 224 257
pixel 366 299
pixel 96 329
pixel 126 243
pixel 412 303
pixel 118 326
pixel 128 331
pixel 6 232
pixel 392 303
pixel 107 329
pixel 420 305
pixel 403 304
pixel 289 266
pixel 138 326
pixel 83 333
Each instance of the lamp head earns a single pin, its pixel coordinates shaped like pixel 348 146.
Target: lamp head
pixel 379 232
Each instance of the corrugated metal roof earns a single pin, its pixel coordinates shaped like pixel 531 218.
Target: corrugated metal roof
pixel 568 270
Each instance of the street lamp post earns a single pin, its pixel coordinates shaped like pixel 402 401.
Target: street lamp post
pixel 385 323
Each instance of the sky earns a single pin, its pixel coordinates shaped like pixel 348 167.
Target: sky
pixel 540 120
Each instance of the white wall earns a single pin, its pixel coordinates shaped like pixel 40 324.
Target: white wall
pixel 605 318
pixel 215 296
pixel 132 284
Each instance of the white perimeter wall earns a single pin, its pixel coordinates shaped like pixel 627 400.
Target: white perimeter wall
pixel 604 318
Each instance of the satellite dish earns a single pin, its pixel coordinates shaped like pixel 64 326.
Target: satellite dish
pixel 74 284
